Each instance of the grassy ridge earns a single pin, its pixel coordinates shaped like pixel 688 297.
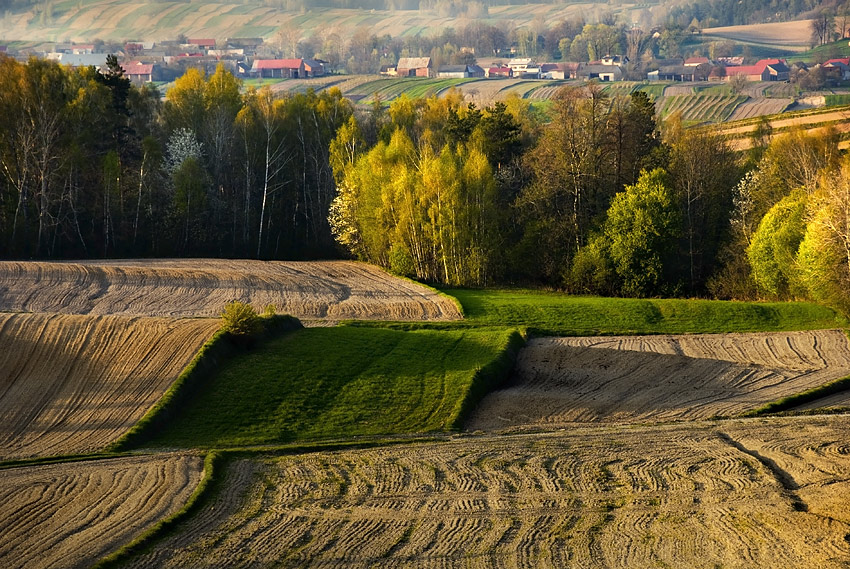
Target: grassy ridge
pixel 556 314
pixel 325 383
pixel 214 353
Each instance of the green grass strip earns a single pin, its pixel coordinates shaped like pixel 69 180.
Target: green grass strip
pixel 217 350
pixel 341 383
pixel 786 403
pixel 210 478
pixel 558 314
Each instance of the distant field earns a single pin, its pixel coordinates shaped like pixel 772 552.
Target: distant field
pixel 556 314
pixel 73 384
pixel 559 381
pixel 331 290
pixel 701 108
pixel 794 36
pixel 122 20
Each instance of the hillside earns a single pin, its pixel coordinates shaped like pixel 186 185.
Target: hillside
pixel 120 20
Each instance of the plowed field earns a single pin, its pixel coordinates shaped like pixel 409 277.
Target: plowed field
pixel 69 515
pixel 331 290
pixel 565 380
pixel 73 384
pixel 758 493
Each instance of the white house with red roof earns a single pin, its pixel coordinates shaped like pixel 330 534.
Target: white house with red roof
pixel 842 64
pixel 283 68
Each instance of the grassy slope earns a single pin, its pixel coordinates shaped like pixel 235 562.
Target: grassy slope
pixel 323 383
pixel 550 313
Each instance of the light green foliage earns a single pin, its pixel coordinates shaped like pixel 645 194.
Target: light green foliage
pixel 642 227
pixel 240 320
pixel 773 250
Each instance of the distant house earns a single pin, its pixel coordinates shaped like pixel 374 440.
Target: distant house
pixel 673 73
pixel 613 60
pixel 501 72
pixel 764 70
pixel 602 73
pixel 202 43
pixel 414 67
pixel 696 61
pixel 841 67
pixel 388 70
pixel 97 60
pixel 82 48
pixel 282 68
pixel 138 73
pixel 522 65
pixel 314 67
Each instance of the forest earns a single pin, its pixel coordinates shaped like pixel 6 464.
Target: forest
pixel 592 196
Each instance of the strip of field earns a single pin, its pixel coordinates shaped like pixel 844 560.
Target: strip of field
pixel 557 314
pixel 758 493
pixel 333 290
pixel 795 35
pixel 343 382
pixel 73 384
pixel 69 515
pixel 560 381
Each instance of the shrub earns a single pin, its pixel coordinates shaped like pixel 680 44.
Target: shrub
pixel 240 320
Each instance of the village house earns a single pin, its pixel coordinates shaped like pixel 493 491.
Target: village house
pixel 604 73
pixel 697 61
pixel 314 67
pixel 279 68
pixel 414 67
pixel 841 67
pixel 673 73
pixel 501 72
pixel 460 71
pixel 203 44
pixel 764 70
pixel 138 73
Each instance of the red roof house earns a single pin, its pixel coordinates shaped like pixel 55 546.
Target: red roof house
pixel 138 72
pixel 285 68
pixel 764 70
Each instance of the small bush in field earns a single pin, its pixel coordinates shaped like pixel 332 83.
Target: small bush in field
pixel 240 320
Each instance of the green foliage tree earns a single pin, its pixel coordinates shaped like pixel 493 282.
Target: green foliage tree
pixel 240 321
pixel 642 226
pixel 773 250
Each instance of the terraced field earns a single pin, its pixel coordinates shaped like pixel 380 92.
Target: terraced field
pixel 333 290
pixel 73 384
pixel 701 108
pixel 757 493
pixel 559 381
pixel 70 515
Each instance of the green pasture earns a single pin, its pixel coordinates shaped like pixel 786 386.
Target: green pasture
pixel 342 382
pixel 558 314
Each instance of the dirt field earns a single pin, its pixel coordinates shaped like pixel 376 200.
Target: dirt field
pixel 73 384
pixel 815 118
pixel 559 381
pixel 69 515
pixel 758 493
pixel 759 107
pixel 333 290
pixel 796 34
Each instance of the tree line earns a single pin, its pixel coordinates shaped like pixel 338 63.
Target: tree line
pixel 93 166
pixel 591 196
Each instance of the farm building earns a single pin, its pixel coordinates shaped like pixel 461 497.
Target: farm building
pixel 204 44
pixel 279 68
pixel 503 71
pixel 82 48
pixel 603 73
pixel 696 61
pixel 460 71
pixel 414 67
pixel 842 66
pixel 139 73
pixel 314 67
pixel 97 60
pixel 764 70
pixel 673 73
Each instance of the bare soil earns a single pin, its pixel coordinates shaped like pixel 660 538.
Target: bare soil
pixel 759 107
pixel 796 34
pixel 559 381
pixel 70 515
pixel 332 290
pixel 756 493
pixel 73 384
